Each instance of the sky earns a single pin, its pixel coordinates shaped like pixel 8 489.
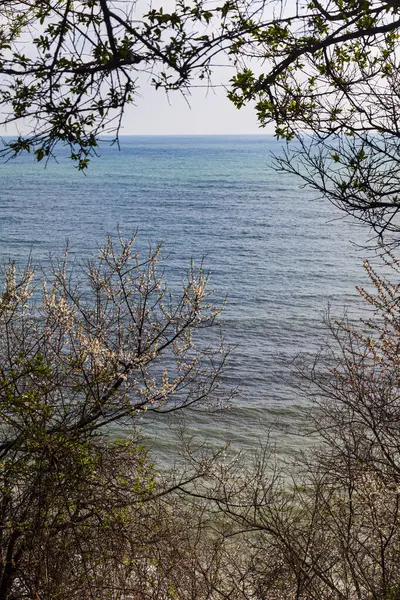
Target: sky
pixel 206 112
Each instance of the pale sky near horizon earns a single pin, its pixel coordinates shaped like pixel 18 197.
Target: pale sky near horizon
pixel 206 112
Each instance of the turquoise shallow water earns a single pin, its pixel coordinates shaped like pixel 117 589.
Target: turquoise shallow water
pixel 275 251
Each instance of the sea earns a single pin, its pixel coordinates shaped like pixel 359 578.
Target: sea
pixel 277 253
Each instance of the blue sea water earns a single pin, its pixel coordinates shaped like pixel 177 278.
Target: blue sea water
pixel 278 253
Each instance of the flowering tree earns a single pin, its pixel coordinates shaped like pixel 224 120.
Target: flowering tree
pixel 83 354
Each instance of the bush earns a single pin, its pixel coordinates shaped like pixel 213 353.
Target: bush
pixel 327 527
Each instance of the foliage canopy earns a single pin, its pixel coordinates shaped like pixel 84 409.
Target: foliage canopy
pixel 325 73
pixel 331 84
pixel 70 68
